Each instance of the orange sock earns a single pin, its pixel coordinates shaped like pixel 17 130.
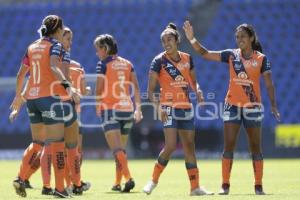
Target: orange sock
pixel 34 166
pixel 74 165
pixel 158 169
pixel 67 172
pixel 120 155
pixel 194 177
pixel 46 160
pixel 258 166
pixel 118 173
pixel 226 166
pixel 28 158
pixel 58 160
pixel 80 155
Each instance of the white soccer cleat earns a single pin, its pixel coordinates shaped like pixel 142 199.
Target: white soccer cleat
pixel 200 191
pixel 149 187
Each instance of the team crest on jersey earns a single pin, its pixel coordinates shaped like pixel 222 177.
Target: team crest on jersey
pixel 242 75
pixel 179 78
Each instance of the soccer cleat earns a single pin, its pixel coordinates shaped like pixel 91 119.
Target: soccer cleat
pixel 19 186
pixel 85 186
pixel 47 191
pixel 116 188
pixel 63 194
pixel 27 185
pixel 259 190
pixel 77 190
pixel 200 191
pixel 149 187
pixel 69 189
pixel 129 185
pixel 224 189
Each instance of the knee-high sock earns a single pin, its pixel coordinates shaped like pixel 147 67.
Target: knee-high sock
pixel 28 158
pixel 118 173
pixel 258 166
pixel 46 161
pixel 121 157
pixel 34 166
pixel 193 174
pixel 67 172
pixel 226 166
pixel 158 168
pixel 74 165
pixel 58 160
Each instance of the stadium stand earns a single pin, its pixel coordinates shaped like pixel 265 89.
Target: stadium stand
pixel 137 26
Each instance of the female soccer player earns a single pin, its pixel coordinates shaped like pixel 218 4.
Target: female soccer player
pixel 45 86
pixel 116 76
pixel 174 70
pixel 76 76
pixel 243 100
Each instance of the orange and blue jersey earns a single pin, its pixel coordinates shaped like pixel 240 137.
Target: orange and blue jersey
pixel 117 75
pixel 42 82
pixel 174 79
pixel 244 83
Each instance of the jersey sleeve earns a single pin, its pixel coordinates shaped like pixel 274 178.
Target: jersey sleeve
pixel 132 68
pixel 56 49
pixel 266 66
pixel 101 68
pixel 225 54
pixel 191 63
pixel 66 57
pixel 25 59
pixel 155 65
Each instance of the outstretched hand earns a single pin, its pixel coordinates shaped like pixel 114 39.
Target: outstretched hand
pixel 15 107
pixel 276 113
pixel 188 29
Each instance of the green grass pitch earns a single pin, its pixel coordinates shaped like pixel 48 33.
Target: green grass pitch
pixel 281 180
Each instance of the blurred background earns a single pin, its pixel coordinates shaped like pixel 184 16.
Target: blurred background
pixel 137 25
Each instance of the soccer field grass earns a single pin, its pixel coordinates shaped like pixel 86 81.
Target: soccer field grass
pixel 281 180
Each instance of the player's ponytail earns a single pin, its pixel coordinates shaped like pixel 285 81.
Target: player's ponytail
pixel 50 25
pixel 251 32
pixel 171 28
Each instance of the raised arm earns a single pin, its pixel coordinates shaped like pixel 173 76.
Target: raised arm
pixel 209 55
pixel 271 93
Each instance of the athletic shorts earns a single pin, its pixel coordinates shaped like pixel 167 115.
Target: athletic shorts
pixel 47 110
pixel 250 117
pixel 70 114
pixel 179 118
pixel 117 120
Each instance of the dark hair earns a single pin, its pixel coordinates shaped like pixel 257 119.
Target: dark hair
pixel 107 41
pixel 171 28
pixel 67 30
pixel 251 32
pixel 50 25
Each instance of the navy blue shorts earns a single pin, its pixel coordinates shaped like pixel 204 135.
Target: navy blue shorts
pixel 70 114
pixel 250 117
pixel 47 110
pixel 179 118
pixel 112 120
